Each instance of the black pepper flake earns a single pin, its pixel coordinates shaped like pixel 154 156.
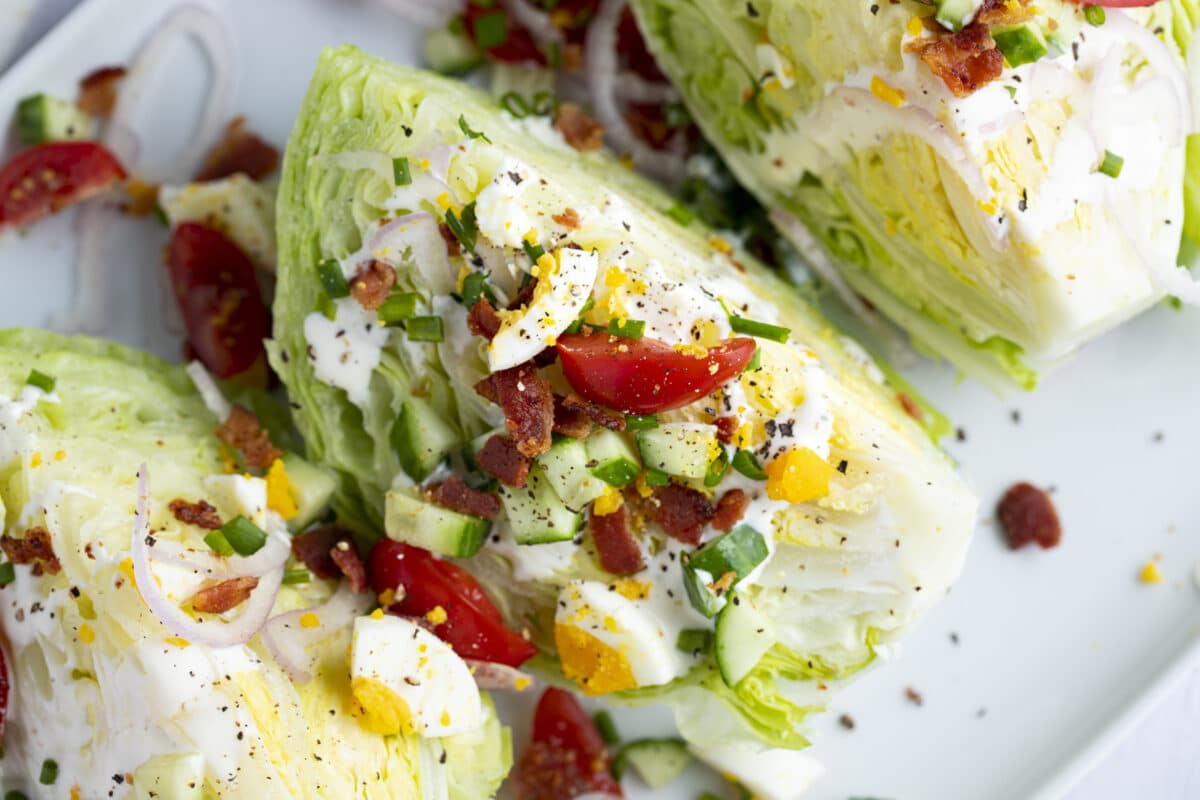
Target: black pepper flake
pixel 960 434
pixel 1015 415
pixel 1024 201
pixel 953 638
pixel 874 8
pixel 842 465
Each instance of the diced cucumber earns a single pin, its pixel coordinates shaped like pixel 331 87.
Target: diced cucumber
pixel 658 762
pixel 684 449
pixel 739 552
pixel 1020 44
pixel 42 118
pixel 695 584
pixel 312 489
pixel 422 438
pixel 451 53
pixel 957 14
pixel 179 776
pixel 409 518
pixel 536 513
pixel 743 637
pixel 566 468
pixel 616 462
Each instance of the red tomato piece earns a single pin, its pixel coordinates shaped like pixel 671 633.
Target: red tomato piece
pixel 219 298
pixel 634 52
pixel 4 687
pixel 49 177
pixel 1115 3
pixel 646 376
pixel 567 756
pixel 473 626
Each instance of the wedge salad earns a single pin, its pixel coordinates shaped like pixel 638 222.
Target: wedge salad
pixel 1002 178
pixel 677 479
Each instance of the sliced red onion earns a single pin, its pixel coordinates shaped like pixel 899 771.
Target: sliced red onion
pixel 536 21
pixel 251 617
pixel 633 88
pixel 210 393
pixel 600 52
pixel 490 676
pixel 271 556
pixel 289 641
pixel 439 162
pixel 419 235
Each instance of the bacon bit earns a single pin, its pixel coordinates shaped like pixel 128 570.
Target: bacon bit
pixel 681 512
pixel 500 458
pixel 572 57
pixel 616 546
pixel 483 320
pixel 36 548
pixel 98 91
pixel 914 696
pixel 143 198
pixel 1027 515
pixel 965 61
pixel 201 513
pixel 240 151
pixel 350 564
pixel 243 432
pixel 727 428
pixel 524 297
pixel 224 596
pixel 724 583
pixel 372 284
pixel 570 421
pixel 454 494
pixel 846 721
pixel 453 245
pixel 730 509
pixel 569 219
pixel 596 413
pixel 528 405
pixel 315 549
pixel 909 405
pixel 581 131
pixel 1003 12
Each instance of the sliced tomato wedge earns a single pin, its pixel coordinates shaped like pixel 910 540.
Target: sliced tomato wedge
pixel 567 757
pixel 473 626
pixel 219 297
pixel 646 376
pixel 45 179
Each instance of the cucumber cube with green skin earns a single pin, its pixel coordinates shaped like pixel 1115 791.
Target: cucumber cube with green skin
pixel 683 449
pixel 743 637
pixel 566 468
pixel 312 490
pixel 1020 44
pixel 421 438
pixel 957 14
pixel 739 552
pixel 178 775
pixel 615 461
pixel 536 514
pixel 411 519
pixel 42 118
pixel 658 762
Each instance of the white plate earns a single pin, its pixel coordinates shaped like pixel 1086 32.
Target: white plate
pixel 1058 652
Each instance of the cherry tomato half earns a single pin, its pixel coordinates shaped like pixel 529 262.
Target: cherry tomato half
pixel 45 179
pixel 567 756
pixel 473 626
pixel 646 376
pixel 219 298
pixel 1115 3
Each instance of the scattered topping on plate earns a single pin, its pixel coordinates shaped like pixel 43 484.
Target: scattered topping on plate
pixel 1027 515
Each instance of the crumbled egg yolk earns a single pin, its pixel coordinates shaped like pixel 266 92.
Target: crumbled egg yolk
pixel 178 642
pixel 279 491
pixel 436 616
pixel 631 589
pixel 126 567
pixel 379 709
pixel 310 620
pixel 886 92
pixel 1150 573
pixel 915 26
pixel 798 476
pixel 595 666
pixel 86 634
pixel 608 503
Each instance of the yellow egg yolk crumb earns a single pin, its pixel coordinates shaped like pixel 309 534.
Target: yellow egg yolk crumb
pixel 1150 573
pixel 608 503
pixel 279 491
pixel 597 668
pixel 798 476
pixel 379 709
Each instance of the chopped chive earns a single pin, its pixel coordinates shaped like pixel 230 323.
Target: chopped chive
pixel 49 772
pixel 576 326
pixel 471 133
pixel 627 329
pixel 41 380
pixel 160 215
pixel 1112 164
pixel 544 103
pixel 1012 91
pixel 333 279
pixel 397 308
pixel 8 573
pixel 676 116
pixel 617 473
pixel 219 544
pixel 755 360
pixel 14 794
pixel 745 462
pixel 325 305
pixel 475 288
pixel 553 53
pixel 516 105
pixel 656 477
pixel 457 25
pixel 425 329
pixel 717 469
pixel 533 250
pixel 243 536
pixel 464 228
pixel 606 727
pixel 761 330
pixel 694 640
pixel 588 305
pixel 400 172
pixel 1094 15
pixel 681 214
pixel 637 422
pixel 294 576
pixel 491 30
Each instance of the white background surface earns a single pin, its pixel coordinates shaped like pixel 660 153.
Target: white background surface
pixel 1158 758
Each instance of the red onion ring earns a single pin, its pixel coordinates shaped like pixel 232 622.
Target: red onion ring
pixel 490 676
pixel 537 22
